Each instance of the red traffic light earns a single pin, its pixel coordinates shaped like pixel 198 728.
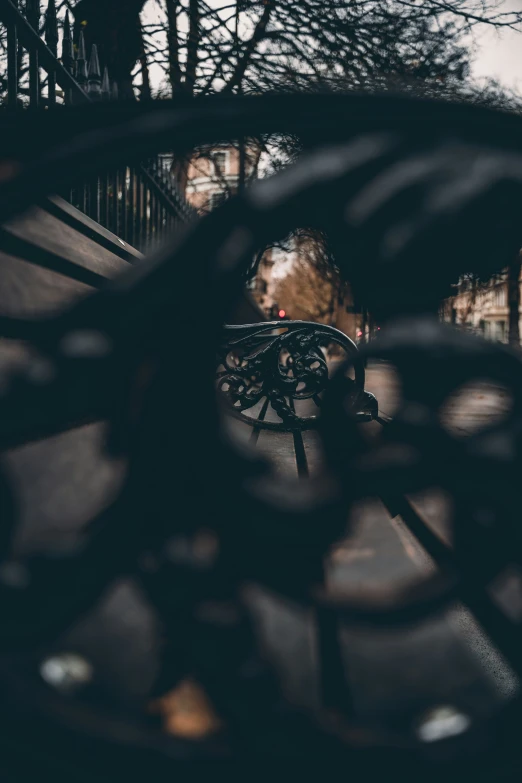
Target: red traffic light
pixel 282 314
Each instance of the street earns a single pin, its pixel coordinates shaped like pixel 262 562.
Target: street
pixel 447 659
pixel 444 660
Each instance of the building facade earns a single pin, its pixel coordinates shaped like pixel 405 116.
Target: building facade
pixel 213 175
pixel 481 308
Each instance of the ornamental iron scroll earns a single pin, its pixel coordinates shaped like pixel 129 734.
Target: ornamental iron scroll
pixel 281 363
pixel 276 536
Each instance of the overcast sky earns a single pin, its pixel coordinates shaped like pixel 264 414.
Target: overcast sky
pixel 499 54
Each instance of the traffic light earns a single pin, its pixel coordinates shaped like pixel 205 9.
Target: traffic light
pixel 278 314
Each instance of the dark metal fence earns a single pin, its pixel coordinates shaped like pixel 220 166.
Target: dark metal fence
pixel 140 203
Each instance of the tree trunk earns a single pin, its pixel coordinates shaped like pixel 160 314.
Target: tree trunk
pixel 192 47
pixel 146 93
pixel 514 300
pixel 173 46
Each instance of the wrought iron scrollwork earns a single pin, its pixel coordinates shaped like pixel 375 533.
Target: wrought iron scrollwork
pixel 179 472
pixel 284 362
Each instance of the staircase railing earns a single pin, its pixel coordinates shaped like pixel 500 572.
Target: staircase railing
pixel 141 203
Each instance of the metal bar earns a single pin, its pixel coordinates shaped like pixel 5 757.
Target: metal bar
pixel 94 76
pixel 67 56
pixel 12 66
pixel 150 216
pixel 139 205
pixel 84 198
pixel 112 202
pixel 132 204
pixel 98 203
pixel 117 204
pixel 144 235
pixel 157 224
pixel 157 220
pixel 254 435
pixel 81 65
pixel 163 222
pixel 106 200
pixel 125 206
pixel 94 206
pixel 299 449
pixel 51 89
pixel 164 197
pixel 33 12
pixel 51 38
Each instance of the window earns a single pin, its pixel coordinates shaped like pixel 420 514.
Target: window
pixel 216 199
pixel 500 331
pixel 220 163
pixel 499 297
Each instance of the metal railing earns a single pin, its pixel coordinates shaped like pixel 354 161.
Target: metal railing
pixel 140 203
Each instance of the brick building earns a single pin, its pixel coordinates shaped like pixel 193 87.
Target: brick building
pixel 482 308
pixel 213 175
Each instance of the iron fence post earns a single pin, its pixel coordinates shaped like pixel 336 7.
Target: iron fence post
pixel 94 75
pixel 67 55
pixel 33 17
pixel 51 39
pixel 81 64
pixel 105 86
pixel 12 64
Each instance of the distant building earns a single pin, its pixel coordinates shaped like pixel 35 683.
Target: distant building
pixel 213 175
pixel 481 307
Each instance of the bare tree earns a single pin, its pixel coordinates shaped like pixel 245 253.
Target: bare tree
pixel 307 294
pixel 201 47
pixel 207 46
pixel 312 285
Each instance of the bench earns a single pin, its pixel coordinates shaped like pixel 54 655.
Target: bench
pixel 273 376
pixel 311 624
